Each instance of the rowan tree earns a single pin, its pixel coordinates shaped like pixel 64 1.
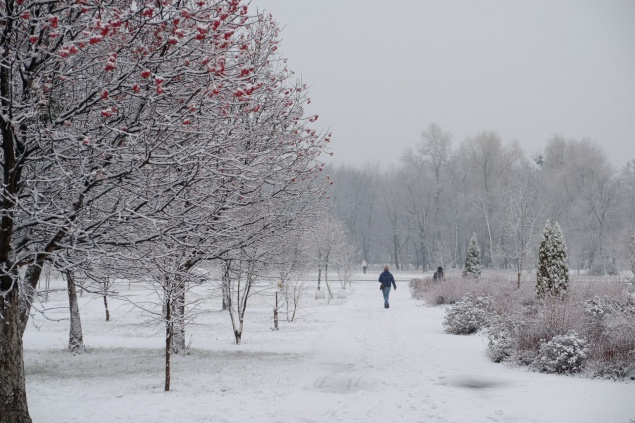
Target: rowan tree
pixel 109 112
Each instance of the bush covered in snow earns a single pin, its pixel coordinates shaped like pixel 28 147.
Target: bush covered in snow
pixel 600 310
pixel 562 354
pixel 448 291
pixel 499 341
pixel 600 307
pixel 467 316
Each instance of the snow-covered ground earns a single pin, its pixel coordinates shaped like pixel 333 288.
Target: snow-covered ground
pixel 347 361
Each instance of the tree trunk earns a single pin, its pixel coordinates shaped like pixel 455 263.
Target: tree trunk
pixel 396 250
pixel 225 291
pixel 75 337
pixel 106 307
pixel 178 316
pixel 13 404
pixel 47 282
pixel 168 342
pixel 275 314
pixel 489 234
pixel 328 287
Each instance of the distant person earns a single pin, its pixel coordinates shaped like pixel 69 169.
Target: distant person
pixel 438 275
pixel 364 266
pixel 386 280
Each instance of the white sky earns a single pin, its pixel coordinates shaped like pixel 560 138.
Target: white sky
pixel 381 71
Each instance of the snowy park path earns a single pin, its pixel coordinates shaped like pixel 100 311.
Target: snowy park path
pixel 348 361
pixel 378 365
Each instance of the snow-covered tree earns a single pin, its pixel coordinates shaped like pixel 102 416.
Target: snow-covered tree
pixel 553 270
pixel 126 122
pixel 328 235
pixel 472 260
pixel 346 262
pixel 520 217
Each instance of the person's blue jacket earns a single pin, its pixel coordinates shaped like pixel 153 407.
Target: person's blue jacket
pixel 386 278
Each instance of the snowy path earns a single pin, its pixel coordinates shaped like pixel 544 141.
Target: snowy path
pixel 350 361
pixel 378 365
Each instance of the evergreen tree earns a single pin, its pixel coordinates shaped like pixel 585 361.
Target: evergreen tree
pixel 472 260
pixel 553 271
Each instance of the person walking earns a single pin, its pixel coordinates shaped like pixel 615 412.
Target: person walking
pixel 386 280
pixel 364 266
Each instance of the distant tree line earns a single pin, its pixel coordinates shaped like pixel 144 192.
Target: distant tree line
pixel 421 213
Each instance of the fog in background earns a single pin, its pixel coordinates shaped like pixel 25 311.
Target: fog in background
pixel 381 72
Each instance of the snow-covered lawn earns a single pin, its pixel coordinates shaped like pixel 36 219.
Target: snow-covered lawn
pixel 347 361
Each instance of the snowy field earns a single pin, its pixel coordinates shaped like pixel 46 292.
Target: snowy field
pixel 347 361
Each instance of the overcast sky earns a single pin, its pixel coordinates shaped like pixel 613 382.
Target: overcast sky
pixel 381 71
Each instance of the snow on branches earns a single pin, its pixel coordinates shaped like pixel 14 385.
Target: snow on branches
pixel 553 271
pixel 137 128
pixel 472 260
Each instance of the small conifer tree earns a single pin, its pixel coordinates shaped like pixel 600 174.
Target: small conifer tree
pixel 472 260
pixel 553 271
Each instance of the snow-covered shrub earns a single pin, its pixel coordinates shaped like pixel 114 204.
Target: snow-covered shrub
pixel 599 307
pixel 467 316
pixel 499 341
pixel 418 287
pixel 612 340
pixel 433 293
pixel 617 370
pixel 562 354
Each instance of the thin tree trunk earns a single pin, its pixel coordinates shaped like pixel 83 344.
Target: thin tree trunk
pixel 178 315
pixel 75 336
pixel 326 281
pixel 47 282
pixel 106 308
pixel 275 314
pixel 489 233
pixel 319 270
pixel 168 342
pixel 225 287
pixel 395 243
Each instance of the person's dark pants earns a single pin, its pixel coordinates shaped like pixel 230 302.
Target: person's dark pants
pixel 364 269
